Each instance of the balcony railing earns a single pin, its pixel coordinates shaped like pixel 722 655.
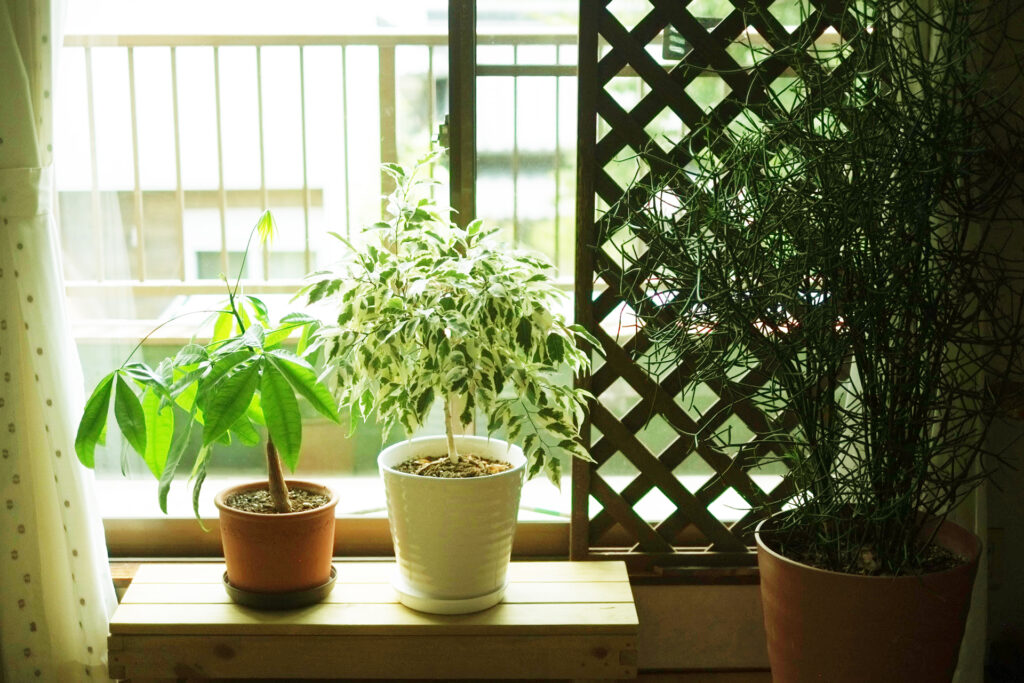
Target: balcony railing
pixel 410 79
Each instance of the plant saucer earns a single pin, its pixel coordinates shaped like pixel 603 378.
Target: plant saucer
pixel 286 600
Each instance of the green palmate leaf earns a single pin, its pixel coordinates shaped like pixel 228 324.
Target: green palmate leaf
pixel 142 373
pixel 254 336
pixel 130 418
pixel 288 325
pixel 94 421
pixel 227 401
pixel 245 432
pixel 186 387
pixel 299 318
pixel 223 327
pixel 173 458
pixel 303 379
pixel 259 309
pixel 281 411
pixel 222 366
pixel 197 487
pixel 303 345
pixel 266 227
pixel 255 412
pixel 159 432
pixel 190 354
pixel 246 320
pixel 200 464
pixel 276 336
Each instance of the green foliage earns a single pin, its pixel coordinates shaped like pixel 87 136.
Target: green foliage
pixel 428 310
pixel 243 378
pixel 856 249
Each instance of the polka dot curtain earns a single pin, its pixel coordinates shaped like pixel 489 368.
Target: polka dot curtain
pixel 55 590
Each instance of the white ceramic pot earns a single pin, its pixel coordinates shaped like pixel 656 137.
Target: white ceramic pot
pixel 453 537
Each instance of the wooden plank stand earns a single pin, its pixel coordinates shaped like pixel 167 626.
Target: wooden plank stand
pixel 559 620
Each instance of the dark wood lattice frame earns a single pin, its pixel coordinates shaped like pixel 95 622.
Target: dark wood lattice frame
pixel 691 535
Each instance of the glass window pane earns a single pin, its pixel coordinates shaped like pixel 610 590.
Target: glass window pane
pixel 239 106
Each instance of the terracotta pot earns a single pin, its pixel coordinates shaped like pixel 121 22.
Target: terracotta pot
pixel 828 626
pixel 277 553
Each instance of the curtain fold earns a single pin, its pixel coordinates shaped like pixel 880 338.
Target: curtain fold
pixel 972 515
pixel 54 577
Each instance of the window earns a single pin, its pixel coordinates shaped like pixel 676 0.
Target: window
pixel 180 122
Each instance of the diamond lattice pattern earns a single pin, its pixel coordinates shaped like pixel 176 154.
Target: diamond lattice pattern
pixel 694 450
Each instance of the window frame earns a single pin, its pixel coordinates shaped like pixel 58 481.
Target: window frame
pixel 146 537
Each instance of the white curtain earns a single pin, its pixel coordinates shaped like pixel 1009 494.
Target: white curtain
pixel 972 515
pixel 55 590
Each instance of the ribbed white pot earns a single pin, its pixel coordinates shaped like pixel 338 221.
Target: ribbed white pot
pixel 453 537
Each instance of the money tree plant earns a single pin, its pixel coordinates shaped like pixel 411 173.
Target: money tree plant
pixel 425 310
pixel 243 380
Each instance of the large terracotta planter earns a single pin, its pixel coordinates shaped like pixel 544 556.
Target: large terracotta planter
pixel 277 553
pixel 453 537
pixel 845 628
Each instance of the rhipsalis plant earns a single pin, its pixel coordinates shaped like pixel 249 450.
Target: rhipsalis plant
pixel 243 380
pixel 429 311
pixel 852 267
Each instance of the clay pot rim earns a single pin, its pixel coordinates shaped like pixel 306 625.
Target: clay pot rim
pixel 223 507
pixel 455 481
pixel 973 558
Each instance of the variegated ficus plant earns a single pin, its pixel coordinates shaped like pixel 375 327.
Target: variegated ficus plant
pixel 425 310
pixel 244 380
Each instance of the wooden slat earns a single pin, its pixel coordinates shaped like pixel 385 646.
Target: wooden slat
pixel 369 619
pixel 379 593
pixel 431 657
pixel 380 572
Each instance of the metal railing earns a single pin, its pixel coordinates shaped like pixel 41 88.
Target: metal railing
pixel 224 196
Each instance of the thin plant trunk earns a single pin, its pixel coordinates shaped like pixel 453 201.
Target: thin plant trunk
pixel 275 479
pixel 449 430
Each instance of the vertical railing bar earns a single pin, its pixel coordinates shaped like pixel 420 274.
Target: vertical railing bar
pixel 137 192
pixel 222 192
pixel 264 194
pixel 94 196
pixel 344 141
pixel 431 112
pixel 515 148
pixel 179 189
pixel 558 158
pixel 307 254
pixel 387 82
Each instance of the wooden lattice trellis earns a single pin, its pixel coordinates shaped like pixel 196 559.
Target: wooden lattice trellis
pixel 608 131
